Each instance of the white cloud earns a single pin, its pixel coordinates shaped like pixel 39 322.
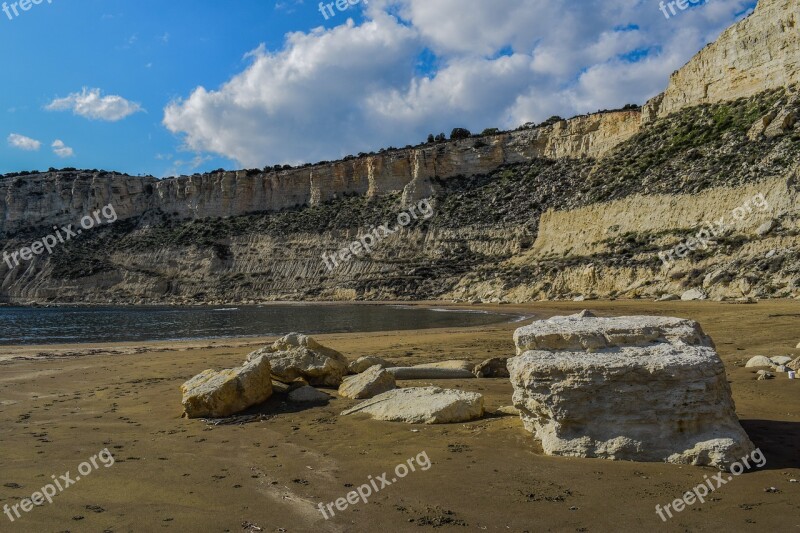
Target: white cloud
pixel 23 143
pixel 354 88
pixel 89 103
pixel 62 150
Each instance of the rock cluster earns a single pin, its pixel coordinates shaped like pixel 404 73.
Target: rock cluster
pixel 627 388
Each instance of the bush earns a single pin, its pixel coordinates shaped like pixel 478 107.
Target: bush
pixel 460 133
pixel 490 131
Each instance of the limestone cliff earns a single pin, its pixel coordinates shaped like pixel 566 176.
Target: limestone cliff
pixel 579 208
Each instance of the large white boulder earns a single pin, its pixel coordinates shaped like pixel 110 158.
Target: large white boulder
pixel 297 356
pixel 369 383
pixel 627 388
pixel 217 394
pixel 422 405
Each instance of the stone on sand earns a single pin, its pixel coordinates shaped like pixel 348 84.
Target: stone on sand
pixel 453 365
pixel 759 361
pixel 780 360
pixel 592 333
pixel 217 394
pixel 421 372
pixel 655 391
pixel 422 405
pixel 693 295
pixel 308 394
pixel 373 381
pixel 363 363
pixel 492 368
pixel 794 365
pixel 299 356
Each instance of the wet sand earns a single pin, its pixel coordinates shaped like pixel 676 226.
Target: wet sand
pixel 60 405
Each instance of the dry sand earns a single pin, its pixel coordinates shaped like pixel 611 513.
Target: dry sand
pixel 66 403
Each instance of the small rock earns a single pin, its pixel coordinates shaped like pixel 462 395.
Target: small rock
pixel 764 375
pixel 217 394
pixel 693 295
pixel 367 384
pixel 781 368
pixel 669 298
pixel 492 368
pixel 772 490
pixel 508 410
pixel 308 394
pixel 584 314
pixel 765 228
pixel 794 365
pixel 758 361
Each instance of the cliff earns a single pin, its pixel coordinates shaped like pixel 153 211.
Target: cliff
pixel 580 208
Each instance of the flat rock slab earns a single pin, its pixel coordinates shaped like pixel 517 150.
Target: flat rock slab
pixel 423 405
pixel 457 365
pixel 417 372
pixel 216 394
pixel 369 383
pixel 593 333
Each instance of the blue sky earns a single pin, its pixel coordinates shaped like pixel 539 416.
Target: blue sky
pixel 176 87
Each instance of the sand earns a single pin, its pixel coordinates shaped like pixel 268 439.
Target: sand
pixel 60 405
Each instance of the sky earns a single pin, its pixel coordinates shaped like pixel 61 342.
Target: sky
pixel 169 88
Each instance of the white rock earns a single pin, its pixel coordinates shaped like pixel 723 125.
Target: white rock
pixel 593 333
pixel 508 410
pixel 308 394
pixel 669 298
pixel 655 390
pixel 780 359
pixel 794 365
pixel 223 393
pixel 363 363
pixel 496 367
pixel 373 381
pixel 798 346
pixel 781 368
pixel 765 228
pixel 460 365
pixel 764 375
pixel 299 356
pixel 422 405
pixel 414 372
pixel 758 361
pixel 693 295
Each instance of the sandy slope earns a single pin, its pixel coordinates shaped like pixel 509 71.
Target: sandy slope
pixel 181 475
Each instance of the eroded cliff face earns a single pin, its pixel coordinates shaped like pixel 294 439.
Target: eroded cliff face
pixel 752 56
pixel 577 209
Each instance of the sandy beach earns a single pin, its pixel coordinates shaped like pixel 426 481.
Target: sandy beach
pixel 60 405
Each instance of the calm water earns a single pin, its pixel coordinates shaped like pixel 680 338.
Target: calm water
pixel 118 324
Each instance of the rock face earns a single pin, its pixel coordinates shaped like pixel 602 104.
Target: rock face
pixel 794 365
pixel 226 392
pixel 422 405
pixel 298 356
pixel 492 368
pixel 369 383
pixel 363 363
pixel 627 388
pixel 749 57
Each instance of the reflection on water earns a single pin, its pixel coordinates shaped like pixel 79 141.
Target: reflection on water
pixel 118 324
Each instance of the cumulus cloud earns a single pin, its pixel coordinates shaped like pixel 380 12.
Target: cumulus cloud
pixel 62 150
pixel 23 143
pixel 416 66
pixel 91 104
